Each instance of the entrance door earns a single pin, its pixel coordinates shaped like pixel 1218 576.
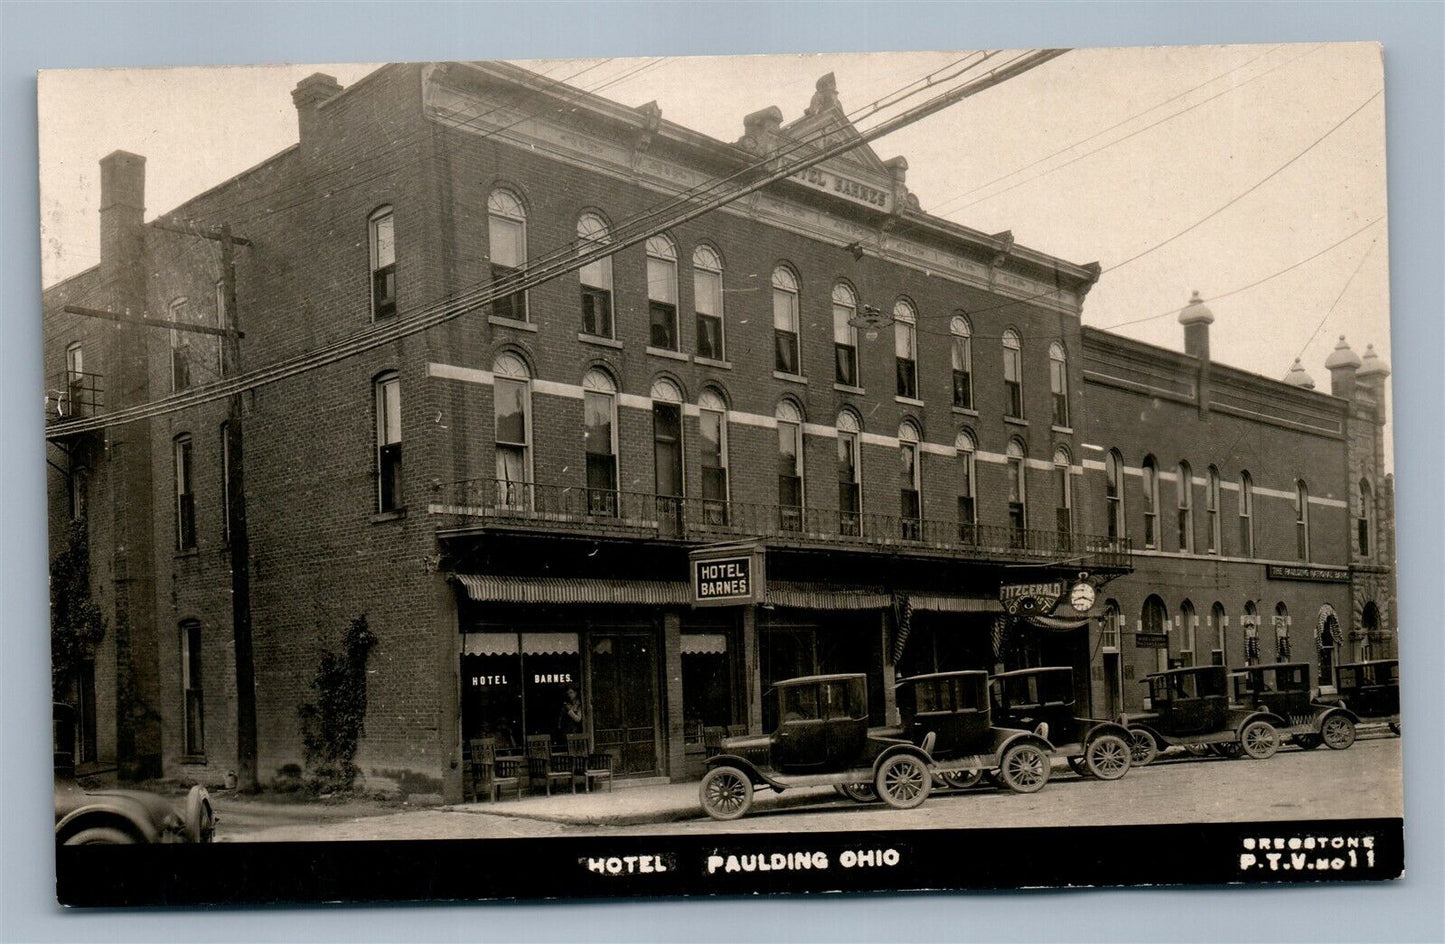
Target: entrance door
pixel 624 700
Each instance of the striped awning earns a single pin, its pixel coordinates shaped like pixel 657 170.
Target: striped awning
pixel 949 603
pixel 822 596
pixel 487 588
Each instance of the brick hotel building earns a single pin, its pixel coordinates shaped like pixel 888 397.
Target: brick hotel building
pixel 513 498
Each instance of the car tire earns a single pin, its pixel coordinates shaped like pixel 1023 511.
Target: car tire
pixel 1107 757
pixel 1143 750
pixel 1025 768
pixel 961 779
pixel 903 781
pixel 1307 742
pixel 101 835
pixel 726 793
pixel 1079 766
pixel 200 816
pixel 1338 732
pixel 1229 749
pixel 859 792
pixel 1259 739
pixel 1395 728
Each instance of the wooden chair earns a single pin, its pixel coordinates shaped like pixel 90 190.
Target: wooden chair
pixel 587 765
pixel 712 738
pixel 492 774
pixel 737 730
pixel 545 767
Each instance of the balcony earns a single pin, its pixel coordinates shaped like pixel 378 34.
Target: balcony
pixel 578 509
pixel 72 396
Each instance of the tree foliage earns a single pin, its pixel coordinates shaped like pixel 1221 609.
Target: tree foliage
pixel 333 724
pixel 76 624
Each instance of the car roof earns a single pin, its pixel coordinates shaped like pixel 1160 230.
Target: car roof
pixel 1350 665
pixel 938 675
pixel 1272 665
pixel 1189 670
pixel 813 679
pixel 1039 670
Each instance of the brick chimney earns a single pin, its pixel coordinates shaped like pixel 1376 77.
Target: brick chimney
pixel 1196 319
pixel 1342 365
pixel 122 228
pixel 308 96
pixel 1374 373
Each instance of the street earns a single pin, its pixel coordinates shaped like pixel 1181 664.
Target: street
pixel 1363 781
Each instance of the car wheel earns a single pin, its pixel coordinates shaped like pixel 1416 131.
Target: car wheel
pixel 200 817
pixel 1338 732
pixel 1230 749
pixel 1143 749
pixel 1079 766
pixel 961 779
pixel 726 793
pixel 903 781
pixel 1395 728
pixel 1198 750
pixel 1259 739
pixel 1307 742
pixel 1107 757
pixel 859 792
pixel 1025 768
pixel 101 835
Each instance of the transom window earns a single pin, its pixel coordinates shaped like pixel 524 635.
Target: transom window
pixel 707 290
pixel 595 277
pixel 662 292
pixel 962 354
pixel 507 244
pixel 845 336
pixel 905 347
pixel 786 357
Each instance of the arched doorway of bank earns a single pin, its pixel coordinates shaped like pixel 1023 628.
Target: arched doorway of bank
pixel 1369 626
pixel 1328 631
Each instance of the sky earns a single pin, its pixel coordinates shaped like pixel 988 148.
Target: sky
pixel 1225 166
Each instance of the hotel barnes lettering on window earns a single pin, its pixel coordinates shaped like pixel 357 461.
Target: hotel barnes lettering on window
pixel 571 444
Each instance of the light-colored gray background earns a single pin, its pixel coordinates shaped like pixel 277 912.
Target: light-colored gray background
pixel 34 36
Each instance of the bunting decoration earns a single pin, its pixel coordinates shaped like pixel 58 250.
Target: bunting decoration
pixel 903 623
pixel 998 633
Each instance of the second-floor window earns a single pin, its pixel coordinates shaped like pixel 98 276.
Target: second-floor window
pixel 790 466
pixel 185 495
pixel 180 313
pixel 599 435
pixel 905 348
pixel 713 433
pixel 1151 502
pixel 507 243
pixel 511 414
pixel 1059 383
pixel 1186 508
pixel 595 277
pixel 850 475
pixel 1211 508
pixel 1302 521
pixel 1063 493
pixel 382 241
pixel 962 354
pixel 194 715
pixel 910 481
pixel 1365 524
pixel 73 402
pixel 1114 495
pixel 1017 491
pixel 845 336
pixel 967 485
pixel 1013 374
pixel 662 292
pixel 388 443
pixel 1246 515
pixel 707 288
pixel 786 358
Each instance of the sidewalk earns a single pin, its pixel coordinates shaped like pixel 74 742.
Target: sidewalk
pixel 631 806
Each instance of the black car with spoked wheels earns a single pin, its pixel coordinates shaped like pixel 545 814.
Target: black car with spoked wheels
pixel 1028 698
pixel 1371 690
pixel 1284 689
pixel 1193 708
pixel 822 739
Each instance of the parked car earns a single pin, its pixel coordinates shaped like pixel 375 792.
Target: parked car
pixel 1371 690
pixel 1028 698
pixel 1284 688
pixel 952 710
pixel 86 817
pixel 822 739
pixel 1192 708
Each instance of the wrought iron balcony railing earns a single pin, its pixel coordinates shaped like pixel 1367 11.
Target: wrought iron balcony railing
pixel 72 396
pixel 569 507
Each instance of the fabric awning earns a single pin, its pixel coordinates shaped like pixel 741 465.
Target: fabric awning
pixel 1055 622
pixel 820 596
pixel 487 588
pixel 509 644
pixel 696 644
pixel 948 603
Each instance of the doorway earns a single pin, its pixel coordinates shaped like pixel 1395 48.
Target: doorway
pixel 624 700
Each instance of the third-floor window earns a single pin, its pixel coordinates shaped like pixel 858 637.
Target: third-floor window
pixel 1013 374
pixel 662 292
pixel 1150 472
pixel 962 353
pixel 845 336
pixel 707 288
pixel 507 244
pixel 1302 520
pixel 595 277
pixel 1186 508
pixel 382 240
pixel 905 348
pixel 786 357
pixel 1059 383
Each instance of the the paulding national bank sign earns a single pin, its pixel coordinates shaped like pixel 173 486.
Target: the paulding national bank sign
pixel 727 575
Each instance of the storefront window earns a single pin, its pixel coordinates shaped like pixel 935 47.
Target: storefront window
pixel 515 685
pixel 706 682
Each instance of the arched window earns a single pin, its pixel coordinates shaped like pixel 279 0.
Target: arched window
pixel 662 292
pixel 1250 624
pixel 1185 493
pixel 507 243
pixel 595 277
pixel 599 435
pixel 185 493
pixel 967 450
pixel 713 433
pixel 910 481
pixel 180 313
pixel 785 322
pixel 1369 627
pixel 905 348
pixel 1281 632
pixel 1063 497
pixel 1154 620
pixel 1246 515
pixel 387 396
pixel 1211 508
pixel 1113 624
pixel 381 239
pixel 1301 520
pixel 1327 631
pixel 707 289
pixel 1151 502
pixel 1114 495
pixel 1188 630
pixel 962 340
pixel 1013 373
pixel 1017 492
pixel 1059 383
pixel 193 690
pixel 512 419
pixel 845 336
pixel 1365 524
pixel 850 475
pixel 790 466
pixel 667 452
pixel 1218 626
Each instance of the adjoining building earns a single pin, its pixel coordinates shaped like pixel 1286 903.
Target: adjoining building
pixel 815 430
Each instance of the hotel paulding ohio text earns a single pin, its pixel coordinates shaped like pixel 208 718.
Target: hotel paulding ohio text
pixel 623 502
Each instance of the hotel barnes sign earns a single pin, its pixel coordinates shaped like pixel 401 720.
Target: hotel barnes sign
pixel 840 186
pixel 728 575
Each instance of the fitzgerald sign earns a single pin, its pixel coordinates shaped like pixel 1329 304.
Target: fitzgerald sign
pixel 729 575
pixel 1030 599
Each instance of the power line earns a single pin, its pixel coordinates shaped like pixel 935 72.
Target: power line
pixel 1358 266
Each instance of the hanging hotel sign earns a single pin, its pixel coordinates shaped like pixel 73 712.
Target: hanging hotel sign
pixel 727 575
pixel 1302 572
pixel 1030 599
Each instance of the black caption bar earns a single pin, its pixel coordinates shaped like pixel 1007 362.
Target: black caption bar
pixel 726 864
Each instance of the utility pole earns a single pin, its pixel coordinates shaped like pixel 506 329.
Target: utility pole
pixel 240 547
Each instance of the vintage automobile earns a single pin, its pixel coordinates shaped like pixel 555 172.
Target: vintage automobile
pixel 822 739
pixel 1028 698
pixel 1371 690
pixel 1192 708
pixel 952 710
pixel 1284 689
pixel 89 817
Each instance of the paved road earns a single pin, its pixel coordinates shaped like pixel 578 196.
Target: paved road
pixel 1363 781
